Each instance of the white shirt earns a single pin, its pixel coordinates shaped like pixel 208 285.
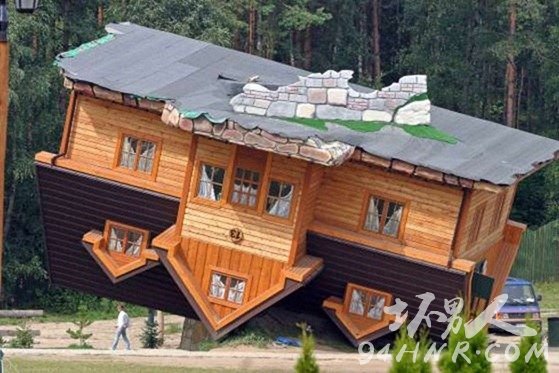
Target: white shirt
pixel 123 320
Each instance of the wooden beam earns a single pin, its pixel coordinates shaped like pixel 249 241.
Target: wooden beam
pixel 404 167
pixel 68 123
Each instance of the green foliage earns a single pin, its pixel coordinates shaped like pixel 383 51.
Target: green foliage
pixel 81 323
pixel 150 335
pixel 410 362
pixel 429 132
pixel 306 362
pixel 527 360
pixel 23 338
pixel 472 361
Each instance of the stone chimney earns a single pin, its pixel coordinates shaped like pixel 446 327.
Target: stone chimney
pixel 328 96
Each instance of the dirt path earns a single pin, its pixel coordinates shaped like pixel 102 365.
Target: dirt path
pixel 53 334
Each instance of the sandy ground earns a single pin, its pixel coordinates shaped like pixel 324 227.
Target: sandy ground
pixel 53 335
pixel 53 340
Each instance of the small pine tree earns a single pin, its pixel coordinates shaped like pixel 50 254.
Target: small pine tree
pixel 23 338
pixel 150 335
pixel 477 345
pixel 306 362
pixel 82 322
pixel 535 364
pixel 409 362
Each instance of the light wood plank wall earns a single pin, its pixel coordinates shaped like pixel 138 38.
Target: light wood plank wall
pixel 433 209
pixel 95 133
pixel 200 257
pixel 488 234
pixel 266 237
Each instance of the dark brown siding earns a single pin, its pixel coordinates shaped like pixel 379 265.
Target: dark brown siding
pixel 347 262
pixel 73 204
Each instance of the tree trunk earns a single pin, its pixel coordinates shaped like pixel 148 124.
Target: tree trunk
pixel 251 27
pixel 193 332
pixel 100 15
pixel 307 49
pixel 510 75
pixel 375 47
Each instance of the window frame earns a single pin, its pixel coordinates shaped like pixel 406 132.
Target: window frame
pixel 140 137
pixel 127 228
pixel 262 166
pixel 229 274
pixel 399 237
pixel 289 217
pixel 196 180
pixel 370 292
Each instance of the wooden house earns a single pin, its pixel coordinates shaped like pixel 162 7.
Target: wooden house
pixel 211 183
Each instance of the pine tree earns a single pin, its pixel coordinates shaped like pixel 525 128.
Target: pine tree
pixel 475 354
pixel 528 344
pixel 408 361
pixel 150 335
pixel 306 362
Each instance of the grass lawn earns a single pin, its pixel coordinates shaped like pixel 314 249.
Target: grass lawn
pixel 38 366
pixel 550 294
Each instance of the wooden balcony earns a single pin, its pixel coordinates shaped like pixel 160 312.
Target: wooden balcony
pixel 117 267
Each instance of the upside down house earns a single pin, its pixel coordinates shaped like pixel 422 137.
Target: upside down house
pixel 211 183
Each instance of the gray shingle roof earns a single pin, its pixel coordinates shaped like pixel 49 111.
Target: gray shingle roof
pixel 201 77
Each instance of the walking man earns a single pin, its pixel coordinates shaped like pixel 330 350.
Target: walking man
pixel 122 324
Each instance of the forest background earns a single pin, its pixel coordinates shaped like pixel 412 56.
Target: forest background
pixel 498 60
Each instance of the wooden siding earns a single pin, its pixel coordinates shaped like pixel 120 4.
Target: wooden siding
pixel 402 277
pixel 432 210
pixel 73 204
pixel 489 235
pixel 263 235
pixel 202 258
pixel 96 130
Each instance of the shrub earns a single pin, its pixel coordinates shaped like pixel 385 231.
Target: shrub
pixel 410 362
pixel 82 323
pixel 306 362
pixel 150 335
pixel 477 361
pixel 23 338
pixel 535 364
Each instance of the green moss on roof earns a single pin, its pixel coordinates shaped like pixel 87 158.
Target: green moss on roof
pixel 426 131
pixel 92 44
pixel 423 131
pixel 354 125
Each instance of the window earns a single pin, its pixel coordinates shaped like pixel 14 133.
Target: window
pixel 125 240
pixel 476 223
pixel 247 177
pixel 228 288
pixel 384 216
pixel 245 187
pixel 210 185
pixel 278 202
pixel 499 205
pixel 366 302
pixel 137 154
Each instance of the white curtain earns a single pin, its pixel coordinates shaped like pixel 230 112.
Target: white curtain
pixel 282 205
pixel 128 153
pixel 377 306
pixel 373 216
pixel 357 305
pixel 115 241
pixel 236 292
pixel 146 156
pixel 206 188
pixel 134 245
pixel 218 286
pixel 391 227
pixel 244 194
